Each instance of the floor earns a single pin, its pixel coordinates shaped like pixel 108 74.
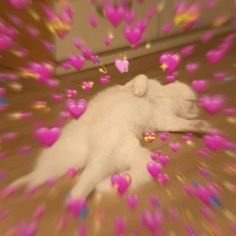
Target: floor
pixel 103 210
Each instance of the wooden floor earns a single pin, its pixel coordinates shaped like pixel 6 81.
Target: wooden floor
pixel 104 210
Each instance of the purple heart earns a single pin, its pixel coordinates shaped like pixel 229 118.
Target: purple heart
pixel 48 136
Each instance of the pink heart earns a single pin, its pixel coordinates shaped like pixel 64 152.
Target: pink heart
pixel 164 137
pixel 2 92
pixel 153 221
pixel 199 85
pixel 132 201
pixel 188 50
pixel 115 15
pixel 120 226
pixel 214 142
pixel 76 108
pixel 207 37
pixel 108 42
pixel 214 56
pixel 106 79
pixel 175 147
pixel 167 28
pixel 169 62
pixel 192 68
pixel 48 136
pixel 163 178
pixel 129 16
pixel 133 35
pixel 43 71
pixel 122 65
pixel 75 206
pixel 212 104
pixel 172 77
pixel 5 43
pixel 121 182
pixel 52 83
pixel 93 21
pixel 154 169
pixel 164 160
pixel 77 62
pixel 71 93
pixel 20 4
pixel 57 97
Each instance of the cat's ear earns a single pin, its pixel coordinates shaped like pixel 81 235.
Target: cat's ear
pixel 139 85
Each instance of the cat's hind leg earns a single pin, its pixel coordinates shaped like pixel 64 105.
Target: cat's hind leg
pixel 139 157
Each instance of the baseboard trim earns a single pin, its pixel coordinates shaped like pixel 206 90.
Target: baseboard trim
pixel 157 45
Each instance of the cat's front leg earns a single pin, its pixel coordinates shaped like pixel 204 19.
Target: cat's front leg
pixel 178 124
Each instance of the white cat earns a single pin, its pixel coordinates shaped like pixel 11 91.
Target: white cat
pixel 106 139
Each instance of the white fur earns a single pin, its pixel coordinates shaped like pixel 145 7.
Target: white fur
pixel 105 140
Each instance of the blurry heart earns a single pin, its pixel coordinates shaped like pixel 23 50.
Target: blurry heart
pixel 122 65
pixel 77 62
pixel 163 178
pixel 106 79
pixel 172 77
pixel 164 160
pixel 120 226
pixel 87 85
pixel 76 108
pixel 48 136
pixel 207 36
pixel 212 104
pixel 129 16
pixel 132 201
pixel 199 85
pixel 167 28
pixel 20 4
pixel 188 50
pixel 71 93
pixel 169 62
pixel 133 35
pixel 5 43
pixel 214 142
pixel 76 206
pixel 175 147
pixel 192 68
pixel 93 21
pixel 57 97
pixel 153 221
pixel 121 182
pixel 108 42
pixel 115 15
pixel 214 56
pixel 164 137
pixel 154 169
pixel 41 71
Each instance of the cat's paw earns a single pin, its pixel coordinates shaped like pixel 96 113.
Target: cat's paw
pixel 140 85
